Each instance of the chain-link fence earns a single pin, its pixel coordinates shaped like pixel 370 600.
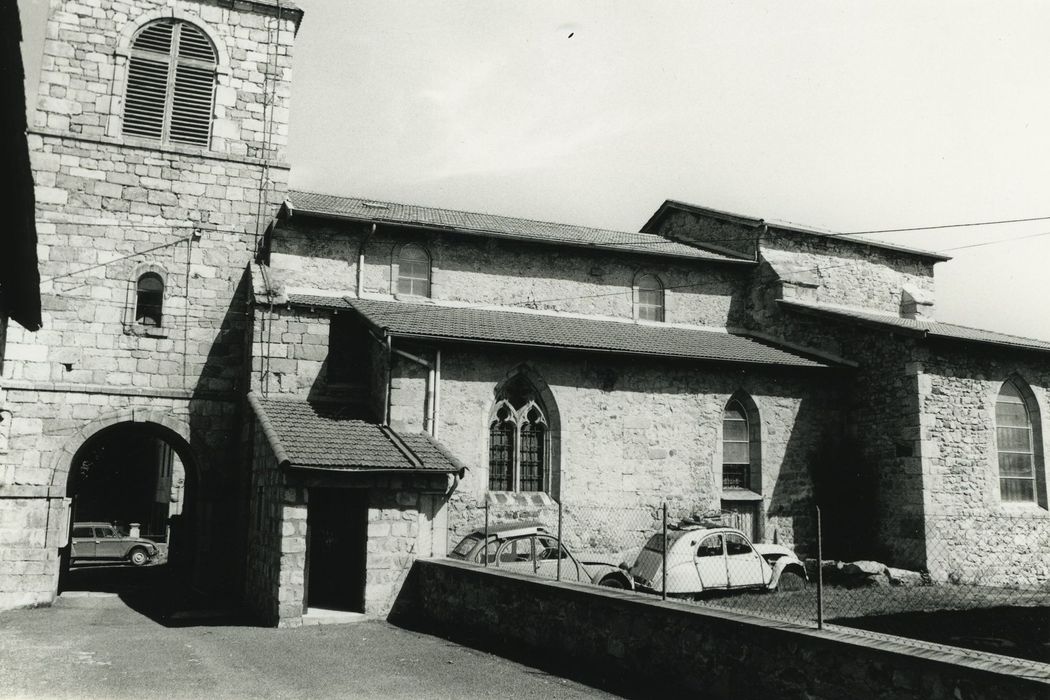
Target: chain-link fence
pixel 980 583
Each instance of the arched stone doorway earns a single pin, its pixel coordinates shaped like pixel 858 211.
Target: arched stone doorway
pixel 131 480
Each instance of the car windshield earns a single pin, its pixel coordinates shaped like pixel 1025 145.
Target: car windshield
pixel 463 548
pixel 655 543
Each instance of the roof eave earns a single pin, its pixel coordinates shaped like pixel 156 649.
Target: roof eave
pixel 342 469
pixel 268 430
pixel 904 250
pixel 580 348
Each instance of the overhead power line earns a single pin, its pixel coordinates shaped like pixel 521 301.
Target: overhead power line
pixel 943 226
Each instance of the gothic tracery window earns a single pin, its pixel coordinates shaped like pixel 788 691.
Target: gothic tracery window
pixel 519 441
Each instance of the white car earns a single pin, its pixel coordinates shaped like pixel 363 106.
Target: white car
pixel 704 559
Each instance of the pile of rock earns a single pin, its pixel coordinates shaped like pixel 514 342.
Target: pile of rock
pixel 865 573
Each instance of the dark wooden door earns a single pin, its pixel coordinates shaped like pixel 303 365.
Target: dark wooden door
pixel 337 524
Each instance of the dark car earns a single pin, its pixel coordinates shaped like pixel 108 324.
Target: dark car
pixel 527 548
pixel 104 542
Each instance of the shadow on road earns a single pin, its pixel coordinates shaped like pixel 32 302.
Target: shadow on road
pixel 160 592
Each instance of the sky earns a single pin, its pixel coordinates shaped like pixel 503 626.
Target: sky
pixel 842 115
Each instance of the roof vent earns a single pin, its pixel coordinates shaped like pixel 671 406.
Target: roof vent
pixel 374 205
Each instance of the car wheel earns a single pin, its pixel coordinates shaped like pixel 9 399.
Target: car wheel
pixel 614 581
pixel 791 581
pixel 138 556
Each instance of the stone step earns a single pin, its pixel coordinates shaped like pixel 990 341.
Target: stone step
pixel 88 599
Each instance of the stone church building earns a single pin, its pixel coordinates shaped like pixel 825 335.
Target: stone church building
pixel 345 383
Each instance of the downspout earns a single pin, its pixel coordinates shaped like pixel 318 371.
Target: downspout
pixel 389 377
pixel 428 411
pixel 437 393
pixel 361 261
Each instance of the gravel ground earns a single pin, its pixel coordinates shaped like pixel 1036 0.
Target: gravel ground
pixel 95 646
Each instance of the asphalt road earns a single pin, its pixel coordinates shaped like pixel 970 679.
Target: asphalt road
pixel 99 647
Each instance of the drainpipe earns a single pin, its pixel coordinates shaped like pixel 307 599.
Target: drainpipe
pixel 361 261
pixel 389 378
pixel 437 393
pixel 428 412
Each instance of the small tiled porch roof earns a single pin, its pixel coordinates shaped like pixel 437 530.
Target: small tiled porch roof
pixel 318 435
pixel 926 328
pixel 501 327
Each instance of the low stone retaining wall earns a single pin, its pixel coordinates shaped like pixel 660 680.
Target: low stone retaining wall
pixel 676 649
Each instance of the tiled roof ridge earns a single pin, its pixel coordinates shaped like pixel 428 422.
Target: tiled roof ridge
pixel 916 324
pixel 502 326
pixel 551 313
pixel 524 219
pixel 503 226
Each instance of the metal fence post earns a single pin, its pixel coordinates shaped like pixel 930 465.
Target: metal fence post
pixel 663 569
pixel 485 544
pixel 560 545
pixel 820 574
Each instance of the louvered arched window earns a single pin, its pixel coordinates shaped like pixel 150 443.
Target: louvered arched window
pixel 171 84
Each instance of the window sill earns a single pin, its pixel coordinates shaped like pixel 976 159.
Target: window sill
pixel 1032 510
pixel 147 331
pixel 738 494
pixel 520 498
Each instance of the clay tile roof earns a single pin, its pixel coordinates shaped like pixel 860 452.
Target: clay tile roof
pixel 571 332
pixel 925 327
pixel 317 435
pixel 358 209
pixel 317 301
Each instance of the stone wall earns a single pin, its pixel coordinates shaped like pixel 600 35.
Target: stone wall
pixel 972 535
pixel 633 435
pixel 110 208
pixel 52 422
pixel 848 273
pixel 315 254
pixel 84 66
pixel 277 534
pixel 636 642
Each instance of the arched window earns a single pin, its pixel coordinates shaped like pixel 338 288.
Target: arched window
pixel 649 298
pixel 742 466
pixel 736 447
pixel 519 440
pixel 1018 438
pixel 171 84
pixel 149 299
pixel 413 271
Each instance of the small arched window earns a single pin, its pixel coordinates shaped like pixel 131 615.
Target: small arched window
pixel 649 298
pixel 1018 444
pixel 171 84
pixel 149 299
pixel 413 271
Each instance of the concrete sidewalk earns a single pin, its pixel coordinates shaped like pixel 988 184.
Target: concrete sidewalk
pixel 95 646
